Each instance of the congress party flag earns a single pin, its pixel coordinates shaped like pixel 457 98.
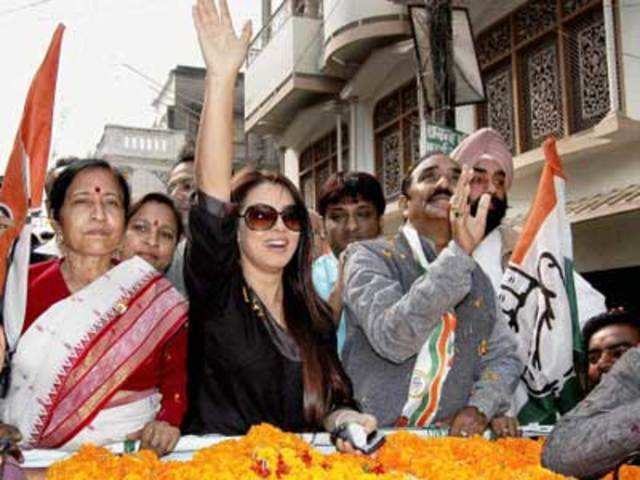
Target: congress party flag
pixel 538 299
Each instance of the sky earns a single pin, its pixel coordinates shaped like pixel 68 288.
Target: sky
pixel 104 40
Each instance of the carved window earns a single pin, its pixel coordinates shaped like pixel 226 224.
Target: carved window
pixel 397 136
pixel 494 43
pixel 541 94
pixel 534 17
pixel 590 100
pixel 318 161
pixel 545 71
pixel 498 111
pixel 571 6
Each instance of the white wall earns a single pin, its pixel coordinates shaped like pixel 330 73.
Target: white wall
pixel 363 159
pixel 629 16
pixel 365 138
pixel 143 182
pixel 585 178
pixel 291 167
pixel 607 243
pixel 338 13
pixel 295 48
pixel 466 119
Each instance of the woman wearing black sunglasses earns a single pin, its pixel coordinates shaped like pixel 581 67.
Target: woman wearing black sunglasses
pixel 262 343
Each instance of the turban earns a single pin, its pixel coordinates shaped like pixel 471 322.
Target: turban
pixel 485 144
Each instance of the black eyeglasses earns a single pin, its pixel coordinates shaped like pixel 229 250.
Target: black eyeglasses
pixel 261 217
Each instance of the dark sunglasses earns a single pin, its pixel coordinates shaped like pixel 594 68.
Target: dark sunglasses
pixel 261 217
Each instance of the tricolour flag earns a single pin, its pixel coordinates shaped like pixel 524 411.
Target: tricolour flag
pixel 538 299
pixel 23 185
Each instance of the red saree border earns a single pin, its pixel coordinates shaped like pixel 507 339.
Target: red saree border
pixel 154 323
pixel 79 370
pixel 78 419
pixel 98 370
pixel 109 336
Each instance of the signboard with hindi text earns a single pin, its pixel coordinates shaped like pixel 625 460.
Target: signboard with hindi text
pixel 442 139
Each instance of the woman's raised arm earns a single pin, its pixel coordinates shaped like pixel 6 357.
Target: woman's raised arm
pixel 223 52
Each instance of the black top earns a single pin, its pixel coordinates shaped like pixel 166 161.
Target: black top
pixel 238 377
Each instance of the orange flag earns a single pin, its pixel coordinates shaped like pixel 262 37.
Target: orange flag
pixel 23 183
pixel 539 301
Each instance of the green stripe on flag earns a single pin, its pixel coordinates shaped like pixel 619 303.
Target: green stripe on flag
pixel 435 364
pixel 545 410
pixel 579 348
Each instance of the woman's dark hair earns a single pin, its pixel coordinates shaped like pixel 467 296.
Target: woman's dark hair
pixel 352 185
pixel 308 317
pixel 65 178
pixel 161 198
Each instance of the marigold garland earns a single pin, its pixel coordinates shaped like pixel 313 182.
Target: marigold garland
pixel 267 453
pixel 627 472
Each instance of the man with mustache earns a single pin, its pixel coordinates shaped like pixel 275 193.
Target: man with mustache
pixel 487 154
pixel 423 346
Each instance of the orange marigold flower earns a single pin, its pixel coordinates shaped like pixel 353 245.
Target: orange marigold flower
pixel 268 453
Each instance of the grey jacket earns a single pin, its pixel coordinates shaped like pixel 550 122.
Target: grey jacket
pixel 391 308
pixel 603 430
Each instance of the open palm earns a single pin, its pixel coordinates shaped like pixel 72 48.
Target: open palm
pixel 467 230
pixel 223 51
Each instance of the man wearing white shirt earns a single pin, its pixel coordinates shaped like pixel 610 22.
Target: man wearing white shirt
pixel 486 152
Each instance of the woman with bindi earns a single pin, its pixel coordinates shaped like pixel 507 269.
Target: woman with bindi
pixel 101 351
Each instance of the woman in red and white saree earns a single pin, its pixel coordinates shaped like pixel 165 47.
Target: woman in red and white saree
pixel 102 353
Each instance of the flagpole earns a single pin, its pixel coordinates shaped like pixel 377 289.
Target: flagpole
pixel 23 187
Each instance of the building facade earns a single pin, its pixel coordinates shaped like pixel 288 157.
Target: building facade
pixel 337 89
pixel 178 107
pixel 144 155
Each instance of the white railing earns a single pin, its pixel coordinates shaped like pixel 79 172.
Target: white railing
pixel 296 48
pixel 339 14
pixel 286 10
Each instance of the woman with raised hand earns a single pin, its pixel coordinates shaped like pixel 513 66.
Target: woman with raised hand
pixel 262 343
pixel 101 351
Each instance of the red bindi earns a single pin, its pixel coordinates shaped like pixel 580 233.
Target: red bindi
pixel 97 189
pixel 156 223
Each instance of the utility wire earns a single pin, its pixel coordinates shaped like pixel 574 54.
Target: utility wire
pixel 9 11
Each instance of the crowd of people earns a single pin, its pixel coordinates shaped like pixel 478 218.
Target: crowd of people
pixel 209 309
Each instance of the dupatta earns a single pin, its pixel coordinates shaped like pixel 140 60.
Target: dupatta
pixel 73 359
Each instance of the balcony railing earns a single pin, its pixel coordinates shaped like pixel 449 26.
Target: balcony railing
pixel 286 10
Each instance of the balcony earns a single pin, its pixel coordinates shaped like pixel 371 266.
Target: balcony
pixel 353 28
pixel 283 70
